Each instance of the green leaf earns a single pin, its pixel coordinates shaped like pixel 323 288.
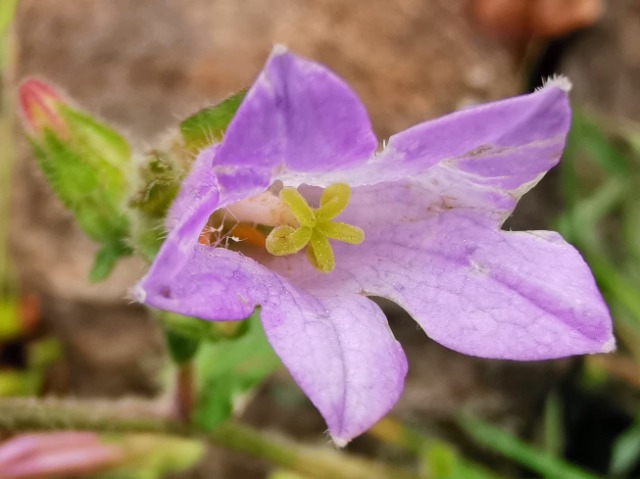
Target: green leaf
pixel 208 125
pixel 441 461
pixel 631 227
pixel 182 348
pixel 626 450
pixel 228 370
pixel 595 143
pixel 515 449
pixel 588 212
pixel 394 432
pixel 161 183
pixel 614 284
pixel 105 260
pixel 553 429
pixel 568 179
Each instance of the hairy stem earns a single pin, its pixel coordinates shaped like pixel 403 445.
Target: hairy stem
pixel 45 415
pixel 184 391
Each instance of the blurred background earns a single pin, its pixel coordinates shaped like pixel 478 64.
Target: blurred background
pixel 143 65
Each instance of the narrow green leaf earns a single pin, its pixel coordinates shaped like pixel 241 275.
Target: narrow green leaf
pixel 626 450
pixel 615 285
pixel 553 429
pixel 631 226
pixel 568 178
pixel 106 259
pixel 600 203
pixel 208 125
pixel 394 432
pixel 468 470
pixel 517 450
pixel 601 151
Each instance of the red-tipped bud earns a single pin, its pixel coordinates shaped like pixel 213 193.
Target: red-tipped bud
pixel 85 162
pixel 39 105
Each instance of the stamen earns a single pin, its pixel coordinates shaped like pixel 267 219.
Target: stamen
pixel 341 232
pixel 320 253
pixel 333 201
pixel 298 206
pixel 285 240
pixel 315 227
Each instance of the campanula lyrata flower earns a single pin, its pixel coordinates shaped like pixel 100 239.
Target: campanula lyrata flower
pixel 298 212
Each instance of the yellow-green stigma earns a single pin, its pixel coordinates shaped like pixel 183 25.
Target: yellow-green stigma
pixel 315 227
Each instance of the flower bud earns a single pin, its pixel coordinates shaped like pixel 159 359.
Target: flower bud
pixel 86 163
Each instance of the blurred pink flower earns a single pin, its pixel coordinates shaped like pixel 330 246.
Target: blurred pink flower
pixel 56 455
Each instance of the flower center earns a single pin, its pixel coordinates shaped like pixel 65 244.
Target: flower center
pixel 315 227
pixel 285 225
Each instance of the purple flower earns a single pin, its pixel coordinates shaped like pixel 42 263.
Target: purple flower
pixel 421 227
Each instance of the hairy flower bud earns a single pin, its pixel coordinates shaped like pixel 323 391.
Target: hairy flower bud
pixel 85 162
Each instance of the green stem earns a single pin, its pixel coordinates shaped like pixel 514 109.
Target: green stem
pixel 7 126
pixel 312 462
pixel 184 392
pixel 17 415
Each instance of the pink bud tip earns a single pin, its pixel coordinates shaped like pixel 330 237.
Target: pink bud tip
pixel 56 454
pixel 39 107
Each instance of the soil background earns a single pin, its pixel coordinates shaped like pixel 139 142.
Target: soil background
pixel 144 64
